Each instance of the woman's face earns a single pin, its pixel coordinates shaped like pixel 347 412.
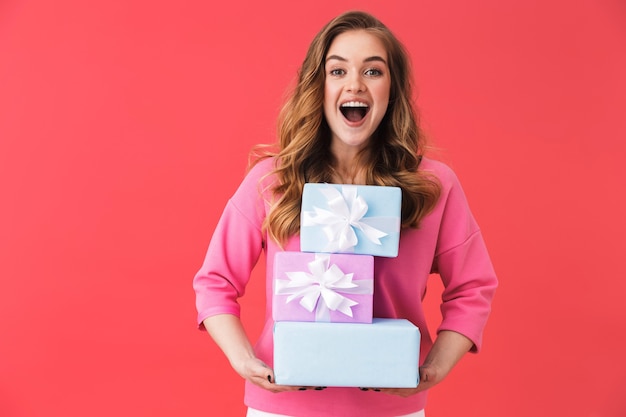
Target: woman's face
pixel 356 90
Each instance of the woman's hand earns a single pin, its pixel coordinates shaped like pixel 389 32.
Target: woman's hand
pixel 429 377
pixel 227 331
pixel 448 349
pixel 258 373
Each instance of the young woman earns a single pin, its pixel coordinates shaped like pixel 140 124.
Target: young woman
pixel 350 120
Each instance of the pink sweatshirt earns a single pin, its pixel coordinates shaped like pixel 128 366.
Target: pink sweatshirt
pixel 448 242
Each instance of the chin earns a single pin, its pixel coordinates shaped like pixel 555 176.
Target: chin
pixel 357 144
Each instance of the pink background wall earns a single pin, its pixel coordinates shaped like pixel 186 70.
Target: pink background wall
pixel 125 127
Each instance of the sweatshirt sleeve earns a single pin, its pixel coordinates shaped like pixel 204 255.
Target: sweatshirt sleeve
pixel 233 251
pixel 462 261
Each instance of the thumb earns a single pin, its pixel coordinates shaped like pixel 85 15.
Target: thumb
pixel 428 373
pixel 270 376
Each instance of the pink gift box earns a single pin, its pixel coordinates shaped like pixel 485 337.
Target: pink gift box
pixel 323 287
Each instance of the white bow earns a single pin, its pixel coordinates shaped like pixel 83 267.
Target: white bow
pixel 320 289
pixel 346 211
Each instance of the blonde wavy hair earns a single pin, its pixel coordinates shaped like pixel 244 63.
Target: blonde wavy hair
pixel 303 154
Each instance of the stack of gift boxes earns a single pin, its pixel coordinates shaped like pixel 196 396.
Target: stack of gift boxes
pixel 324 332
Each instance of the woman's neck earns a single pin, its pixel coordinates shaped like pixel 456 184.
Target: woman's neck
pixel 349 174
pixel 348 168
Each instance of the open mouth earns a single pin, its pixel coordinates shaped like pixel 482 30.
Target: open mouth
pixel 354 111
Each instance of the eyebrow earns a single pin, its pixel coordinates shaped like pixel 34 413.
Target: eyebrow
pixel 368 59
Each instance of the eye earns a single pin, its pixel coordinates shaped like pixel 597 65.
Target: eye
pixel 336 72
pixel 373 72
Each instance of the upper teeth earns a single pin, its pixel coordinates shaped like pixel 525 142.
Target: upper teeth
pixel 354 104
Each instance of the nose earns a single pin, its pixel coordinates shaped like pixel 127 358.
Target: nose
pixel 354 83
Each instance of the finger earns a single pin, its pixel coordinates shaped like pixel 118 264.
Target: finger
pixel 264 379
pixel 285 388
pixel 270 384
pixel 402 392
pixel 261 381
pixel 269 373
pixel 425 374
pixel 262 374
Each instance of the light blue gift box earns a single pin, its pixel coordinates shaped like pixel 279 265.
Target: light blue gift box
pixel 342 218
pixel 383 354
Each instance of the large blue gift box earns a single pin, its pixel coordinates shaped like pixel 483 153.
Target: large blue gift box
pixel 341 218
pixel 383 354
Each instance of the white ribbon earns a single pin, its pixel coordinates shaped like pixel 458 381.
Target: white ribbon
pixel 346 213
pixel 321 289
